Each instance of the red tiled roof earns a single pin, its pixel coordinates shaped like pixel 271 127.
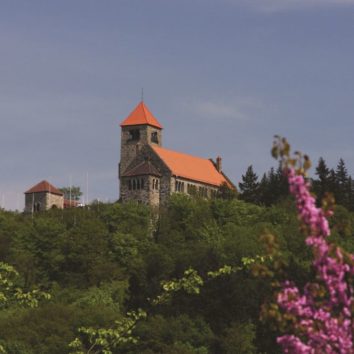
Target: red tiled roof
pixel 140 116
pixel 44 186
pixel 70 203
pixel 145 168
pixel 191 167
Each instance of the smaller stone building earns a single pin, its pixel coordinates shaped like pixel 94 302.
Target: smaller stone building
pixel 43 196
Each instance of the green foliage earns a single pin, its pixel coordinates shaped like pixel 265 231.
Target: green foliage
pixel 13 295
pixel 103 262
pixel 226 193
pixel 177 334
pixel 106 340
pixel 249 187
pixel 71 192
pixel 240 337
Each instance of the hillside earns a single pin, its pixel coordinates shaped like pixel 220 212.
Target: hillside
pixel 98 264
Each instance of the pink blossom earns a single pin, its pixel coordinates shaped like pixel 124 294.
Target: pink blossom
pixel 324 327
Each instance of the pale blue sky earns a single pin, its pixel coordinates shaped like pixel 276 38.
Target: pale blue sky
pixel 222 77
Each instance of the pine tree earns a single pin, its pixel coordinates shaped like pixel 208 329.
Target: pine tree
pixel 263 190
pixel 342 193
pixel 249 187
pixel 282 189
pixel 323 184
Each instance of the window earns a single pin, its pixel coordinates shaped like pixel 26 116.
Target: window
pixel 154 137
pixel 155 183
pixel 134 134
pixel 37 206
pixel 191 189
pixel 136 183
pixel 179 186
pixel 203 192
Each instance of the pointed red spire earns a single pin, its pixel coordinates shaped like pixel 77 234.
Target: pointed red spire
pixel 141 116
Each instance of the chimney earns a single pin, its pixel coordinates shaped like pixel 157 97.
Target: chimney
pixel 219 163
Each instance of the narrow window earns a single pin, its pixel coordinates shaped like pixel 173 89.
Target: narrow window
pixel 154 138
pixel 134 184
pixel 138 184
pixel 142 183
pixel 134 134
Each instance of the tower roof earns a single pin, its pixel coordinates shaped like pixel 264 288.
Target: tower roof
pixel 141 116
pixel 44 186
pixel 191 167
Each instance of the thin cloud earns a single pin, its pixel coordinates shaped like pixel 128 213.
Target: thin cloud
pixel 271 6
pixel 240 109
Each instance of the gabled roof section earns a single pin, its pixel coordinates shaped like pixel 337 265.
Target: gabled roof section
pixel 44 186
pixel 191 167
pixel 145 168
pixel 141 116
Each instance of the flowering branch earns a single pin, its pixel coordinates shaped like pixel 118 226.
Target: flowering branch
pixel 320 315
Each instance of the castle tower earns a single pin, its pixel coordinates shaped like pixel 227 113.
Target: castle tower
pixel 138 129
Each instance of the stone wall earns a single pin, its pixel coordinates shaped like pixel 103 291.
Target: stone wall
pixel 141 195
pixel 42 201
pixel 55 201
pixel 147 153
pixel 131 148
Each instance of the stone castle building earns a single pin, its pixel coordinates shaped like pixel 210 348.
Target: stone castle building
pixel 43 196
pixel 150 173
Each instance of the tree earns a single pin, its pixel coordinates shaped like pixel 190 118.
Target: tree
pixel 71 192
pixel 342 188
pixel 323 183
pixel 225 192
pixel 317 318
pixel 249 187
pixel 273 187
pixel 13 295
pixel 240 336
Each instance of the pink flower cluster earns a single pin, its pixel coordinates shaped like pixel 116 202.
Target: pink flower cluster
pixel 321 324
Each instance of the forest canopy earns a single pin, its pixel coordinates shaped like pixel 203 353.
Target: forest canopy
pixel 101 263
